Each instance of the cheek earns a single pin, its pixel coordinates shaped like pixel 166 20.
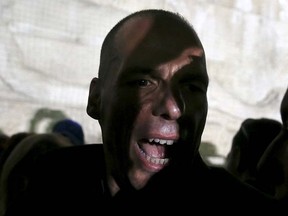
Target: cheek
pixel 137 105
pixel 143 113
pixel 196 101
pixel 196 112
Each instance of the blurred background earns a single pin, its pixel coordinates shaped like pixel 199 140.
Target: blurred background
pixel 49 52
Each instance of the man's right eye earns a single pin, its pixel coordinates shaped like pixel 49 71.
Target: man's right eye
pixel 142 82
pixel 139 83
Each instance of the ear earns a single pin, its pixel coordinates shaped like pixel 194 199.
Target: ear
pixel 94 99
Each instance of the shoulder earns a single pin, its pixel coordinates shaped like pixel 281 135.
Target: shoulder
pixel 67 180
pixel 72 164
pixel 74 156
pixel 236 193
pixel 69 169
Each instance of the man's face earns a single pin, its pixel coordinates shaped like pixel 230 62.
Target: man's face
pixel 154 103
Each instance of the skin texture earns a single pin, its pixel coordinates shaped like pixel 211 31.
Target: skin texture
pixel 273 166
pixel 152 86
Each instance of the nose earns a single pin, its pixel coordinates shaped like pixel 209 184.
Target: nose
pixel 166 106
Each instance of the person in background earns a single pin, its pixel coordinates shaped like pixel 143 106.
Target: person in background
pixel 3 142
pixel 248 145
pixel 17 163
pixel 10 144
pixel 70 129
pixel 273 165
pixel 150 98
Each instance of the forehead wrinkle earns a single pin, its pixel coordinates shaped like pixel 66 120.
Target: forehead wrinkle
pixel 185 58
pixel 130 35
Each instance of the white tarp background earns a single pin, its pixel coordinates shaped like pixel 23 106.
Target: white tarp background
pixel 49 52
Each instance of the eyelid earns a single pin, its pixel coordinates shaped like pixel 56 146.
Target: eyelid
pixel 195 85
pixel 146 80
pixel 136 81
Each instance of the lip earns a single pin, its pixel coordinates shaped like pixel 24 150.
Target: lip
pixel 153 153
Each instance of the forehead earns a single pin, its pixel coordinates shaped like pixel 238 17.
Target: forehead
pixel 151 41
pixel 132 33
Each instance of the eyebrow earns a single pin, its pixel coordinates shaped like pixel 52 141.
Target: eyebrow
pixel 199 67
pixel 131 72
pixel 138 70
pixel 197 58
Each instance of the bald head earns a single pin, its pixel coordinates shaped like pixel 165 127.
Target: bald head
pixel 150 29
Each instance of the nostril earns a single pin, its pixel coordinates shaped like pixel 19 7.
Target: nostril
pixel 165 116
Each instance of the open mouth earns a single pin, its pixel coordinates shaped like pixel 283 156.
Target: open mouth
pixel 155 150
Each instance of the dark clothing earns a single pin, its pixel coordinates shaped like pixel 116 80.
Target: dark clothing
pixel 66 182
pixel 71 181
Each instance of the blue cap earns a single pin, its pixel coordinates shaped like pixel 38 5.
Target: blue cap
pixel 71 129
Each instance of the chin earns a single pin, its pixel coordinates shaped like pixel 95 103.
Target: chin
pixel 139 178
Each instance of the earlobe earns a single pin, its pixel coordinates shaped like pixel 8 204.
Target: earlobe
pixel 94 99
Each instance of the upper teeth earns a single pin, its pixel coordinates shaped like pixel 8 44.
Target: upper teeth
pixel 161 141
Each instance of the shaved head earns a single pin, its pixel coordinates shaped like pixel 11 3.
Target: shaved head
pixel 129 32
